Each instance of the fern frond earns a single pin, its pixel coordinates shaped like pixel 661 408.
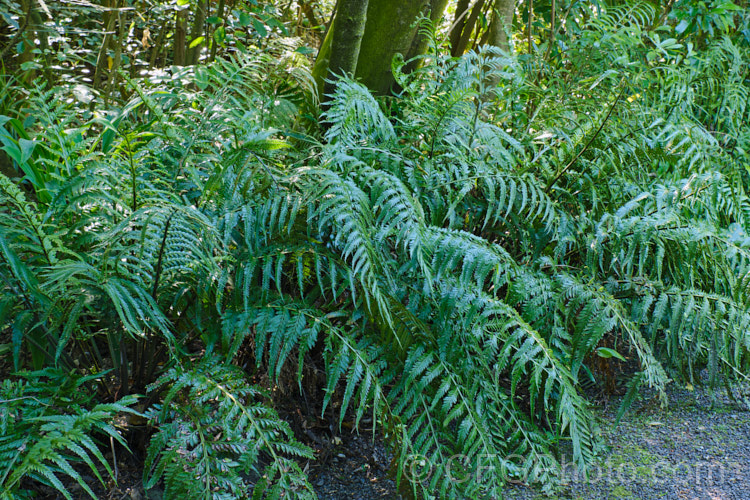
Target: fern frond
pixel 42 441
pixel 219 425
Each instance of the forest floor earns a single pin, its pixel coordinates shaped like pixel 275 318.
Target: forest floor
pixel 696 449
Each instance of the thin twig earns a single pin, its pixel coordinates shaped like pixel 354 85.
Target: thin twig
pixel 596 134
pixel 21 29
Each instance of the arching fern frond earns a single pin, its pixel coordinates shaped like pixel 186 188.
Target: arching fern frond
pixel 235 445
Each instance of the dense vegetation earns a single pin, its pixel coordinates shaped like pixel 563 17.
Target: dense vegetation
pixel 182 248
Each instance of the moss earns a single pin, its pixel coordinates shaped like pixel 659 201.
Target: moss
pixel 634 463
pixel 634 455
pixel 389 30
pixel 721 428
pixel 621 492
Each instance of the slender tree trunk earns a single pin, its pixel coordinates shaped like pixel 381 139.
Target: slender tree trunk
pixel 25 34
pixel 309 13
pixel 419 44
pixel 468 29
pixel 529 25
pixel 459 21
pixel 180 37
pixel 552 23
pixel 220 15
pixel 193 55
pixel 113 75
pixel 102 61
pixel 158 47
pixel 41 34
pixel 347 39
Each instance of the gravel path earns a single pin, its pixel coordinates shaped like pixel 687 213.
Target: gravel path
pixel 697 449
pixel 356 469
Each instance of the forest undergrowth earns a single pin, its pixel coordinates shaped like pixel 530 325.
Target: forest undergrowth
pixel 454 264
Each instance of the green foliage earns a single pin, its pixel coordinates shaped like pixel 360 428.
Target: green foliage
pixel 49 424
pixel 142 37
pixel 457 260
pixel 213 431
pixel 118 266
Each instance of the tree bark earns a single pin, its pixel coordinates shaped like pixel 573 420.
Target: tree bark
pixel 25 34
pixel 459 21
pixel 419 44
pixel 309 13
pixel 180 37
pixel 102 61
pixel 529 26
pixel 467 29
pixel 113 76
pixel 389 30
pixel 156 50
pixel 220 15
pixel 193 55
pixel 502 24
pixel 500 32
pixel 346 39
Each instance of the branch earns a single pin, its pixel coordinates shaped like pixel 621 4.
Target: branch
pixel 13 41
pixel 596 134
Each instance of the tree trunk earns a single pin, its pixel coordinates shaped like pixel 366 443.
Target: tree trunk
pixel 193 55
pixel 26 34
pixel 214 44
pixel 307 9
pixel 502 24
pixel 459 21
pixel 389 30
pixel 500 31
pixel 529 26
pixel 157 48
pixel 113 76
pixel 468 29
pixel 346 39
pixel 102 61
pixel 419 45
pixel 180 37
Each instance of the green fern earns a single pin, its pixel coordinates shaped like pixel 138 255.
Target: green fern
pixel 49 428
pixel 216 440
pixel 451 259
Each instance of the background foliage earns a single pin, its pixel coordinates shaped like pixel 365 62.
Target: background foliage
pixel 463 261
